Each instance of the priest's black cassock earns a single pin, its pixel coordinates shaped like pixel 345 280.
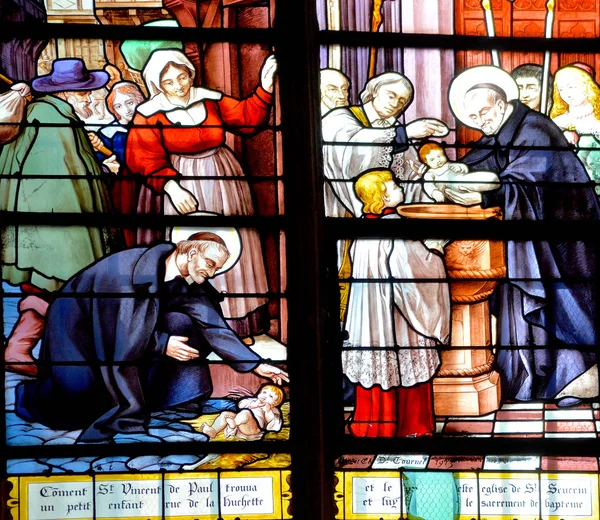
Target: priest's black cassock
pixel 119 338
pixel 541 184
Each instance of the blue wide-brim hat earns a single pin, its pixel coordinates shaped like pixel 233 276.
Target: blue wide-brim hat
pixel 70 74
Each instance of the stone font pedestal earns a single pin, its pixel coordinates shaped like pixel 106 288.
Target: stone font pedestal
pixel 466 383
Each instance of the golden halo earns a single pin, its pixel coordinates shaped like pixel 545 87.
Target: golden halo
pixel 231 237
pixel 473 76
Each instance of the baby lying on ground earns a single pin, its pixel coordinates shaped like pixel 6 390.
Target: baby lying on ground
pixel 257 415
pixel 441 174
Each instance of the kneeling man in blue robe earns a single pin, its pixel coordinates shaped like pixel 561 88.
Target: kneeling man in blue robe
pixel 130 335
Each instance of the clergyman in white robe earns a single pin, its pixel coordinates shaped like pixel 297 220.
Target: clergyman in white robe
pixel 356 140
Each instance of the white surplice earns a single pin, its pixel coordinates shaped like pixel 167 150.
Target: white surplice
pixel 395 314
pixel 352 156
pixel 355 148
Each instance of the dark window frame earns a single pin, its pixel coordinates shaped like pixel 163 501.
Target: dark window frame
pixel 317 436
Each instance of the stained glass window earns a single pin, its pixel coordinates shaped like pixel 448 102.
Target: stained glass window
pixel 144 261
pixel 461 196
pixel 359 235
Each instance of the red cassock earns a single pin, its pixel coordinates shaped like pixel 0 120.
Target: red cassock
pixel 397 412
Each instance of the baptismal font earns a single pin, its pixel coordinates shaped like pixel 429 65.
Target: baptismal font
pixel 466 383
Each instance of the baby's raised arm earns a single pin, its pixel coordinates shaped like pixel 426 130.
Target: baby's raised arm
pixel 249 402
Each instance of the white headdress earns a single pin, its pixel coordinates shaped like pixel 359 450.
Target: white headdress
pixel 157 64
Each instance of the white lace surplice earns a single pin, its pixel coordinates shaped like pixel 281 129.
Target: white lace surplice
pixel 346 162
pixel 401 314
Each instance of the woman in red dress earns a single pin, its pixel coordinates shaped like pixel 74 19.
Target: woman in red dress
pixel 178 145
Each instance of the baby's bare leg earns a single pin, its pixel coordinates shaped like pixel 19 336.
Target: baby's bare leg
pixel 245 422
pixel 217 426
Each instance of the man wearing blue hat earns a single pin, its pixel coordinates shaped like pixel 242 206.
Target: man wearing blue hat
pixel 50 168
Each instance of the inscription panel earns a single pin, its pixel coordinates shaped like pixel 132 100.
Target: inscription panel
pixel 263 495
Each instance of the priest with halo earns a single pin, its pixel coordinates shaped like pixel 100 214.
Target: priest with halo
pixel 546 310
pixel 130 335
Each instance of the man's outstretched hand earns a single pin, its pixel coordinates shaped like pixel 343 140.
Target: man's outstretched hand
pixel 178 349
pixel 275 374
pixel 463 198
pixel 426 127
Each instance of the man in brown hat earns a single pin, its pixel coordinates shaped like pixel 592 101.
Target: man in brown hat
pixel 50 168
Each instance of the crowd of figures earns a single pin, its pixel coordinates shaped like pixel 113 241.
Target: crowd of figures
pixel 89 142
pixel 530 165
pixel 92 143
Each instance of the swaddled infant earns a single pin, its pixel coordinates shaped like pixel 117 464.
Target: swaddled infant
pixel 441 174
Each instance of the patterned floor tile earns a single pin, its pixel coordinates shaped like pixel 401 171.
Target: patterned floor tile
pixel 568 415
pixel 468 427
pixel 519 427
pixel 570 426
pixel 519 435
pixel 523 406
pixel 567 435
pixel 520 415
pixel 487 417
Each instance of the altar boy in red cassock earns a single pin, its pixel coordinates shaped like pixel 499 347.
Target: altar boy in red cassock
pixel 395 327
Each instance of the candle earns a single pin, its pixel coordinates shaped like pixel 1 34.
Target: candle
pixel 550 18
pixel 491 30
pixel 489 18
pixel 546 68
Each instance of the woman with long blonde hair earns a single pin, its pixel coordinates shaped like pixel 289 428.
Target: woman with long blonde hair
pixel 576 110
